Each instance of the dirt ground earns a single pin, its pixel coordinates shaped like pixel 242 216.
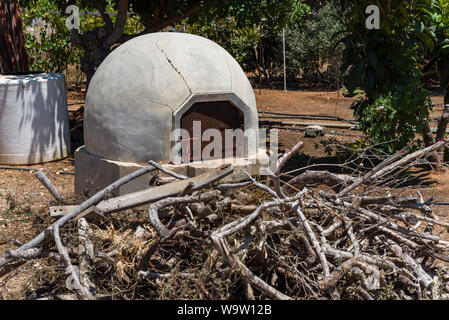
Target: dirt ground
pixel 24 201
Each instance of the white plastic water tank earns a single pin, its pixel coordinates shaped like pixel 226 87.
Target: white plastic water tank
pixel 34 124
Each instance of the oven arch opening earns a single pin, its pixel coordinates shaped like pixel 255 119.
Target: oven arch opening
pixel 246 118
pixel 213 130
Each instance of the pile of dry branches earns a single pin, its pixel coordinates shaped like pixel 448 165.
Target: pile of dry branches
pixel 318 235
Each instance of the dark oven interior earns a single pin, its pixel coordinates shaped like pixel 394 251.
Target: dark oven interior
pixel 220 115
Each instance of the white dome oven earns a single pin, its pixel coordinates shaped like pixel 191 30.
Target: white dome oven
pixel 154 98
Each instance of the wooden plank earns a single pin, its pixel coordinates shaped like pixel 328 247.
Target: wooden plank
pixel 153 194
pixel 59 211
pixel 149 195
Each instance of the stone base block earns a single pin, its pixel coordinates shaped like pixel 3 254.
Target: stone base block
pixel 93 173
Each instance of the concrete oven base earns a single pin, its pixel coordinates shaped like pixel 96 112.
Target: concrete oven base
pixel 93 173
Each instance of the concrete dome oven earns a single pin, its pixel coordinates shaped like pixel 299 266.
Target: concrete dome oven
pixel 152 85
pixel 143 88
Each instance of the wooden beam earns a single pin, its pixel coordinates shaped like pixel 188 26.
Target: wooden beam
pixel 149 195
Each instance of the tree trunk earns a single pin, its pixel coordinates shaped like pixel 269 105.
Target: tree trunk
pixel 434 158
pixel 98 43
pixel 442 124
pixel 93 47
pixel 13 55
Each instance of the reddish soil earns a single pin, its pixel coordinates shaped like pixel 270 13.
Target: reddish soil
pixel 317 102
pixel 310 102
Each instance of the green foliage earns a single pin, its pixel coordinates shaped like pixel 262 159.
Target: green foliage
pixel 392 116
pixel 239 42
pixel 275 14
pixel 251 31
pixel 440 14
pixel 386 65
pixel 313 49
pixel 440 19
pixel 50 49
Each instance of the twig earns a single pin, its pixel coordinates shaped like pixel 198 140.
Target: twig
pixel 149 274
pixel 40 175
pixel 86 255
pixel 200 284
pixel 281 162
pixel 424 279
pixel 166 171
pixel 381 167
pixel 155 207
pixel 82 291
pixel 312 237
pixel 222 246
pixel 153 194
pixel 337 274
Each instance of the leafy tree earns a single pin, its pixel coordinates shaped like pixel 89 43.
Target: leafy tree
pixel 153 16
pixel 386 65
pixel 312 47
pixel 48 40
pixel 108 31
pixel 50 49
pixel 440 56
pixel 251 31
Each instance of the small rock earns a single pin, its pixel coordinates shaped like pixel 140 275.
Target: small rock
pixel 212 217
pixel 242 196
pixel 314 131
pixel 141 233
pixel 40 194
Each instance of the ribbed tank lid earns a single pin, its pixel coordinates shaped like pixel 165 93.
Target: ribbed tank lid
pixel 15 79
